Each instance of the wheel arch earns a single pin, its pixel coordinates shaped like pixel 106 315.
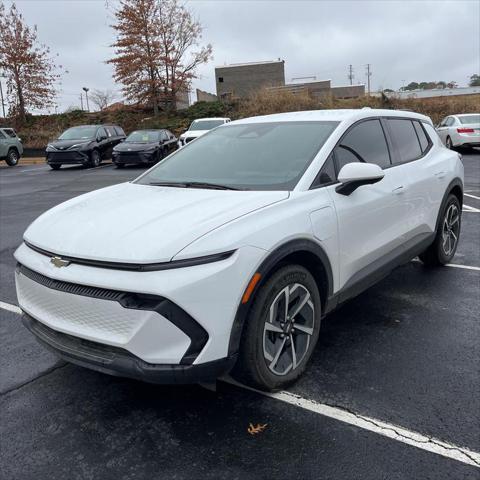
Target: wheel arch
pixel 305 252
pixel 455 187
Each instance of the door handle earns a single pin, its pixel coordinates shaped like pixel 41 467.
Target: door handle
pixel 398 190
pixel 440 175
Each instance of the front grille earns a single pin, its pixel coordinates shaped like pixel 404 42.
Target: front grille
pixel 127 157
pixel 66 156
pixel 68 287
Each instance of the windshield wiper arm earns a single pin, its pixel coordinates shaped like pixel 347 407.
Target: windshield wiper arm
pixel 213 186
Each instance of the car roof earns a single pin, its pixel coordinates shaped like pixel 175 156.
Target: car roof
pixel 466 115
pixel 338 115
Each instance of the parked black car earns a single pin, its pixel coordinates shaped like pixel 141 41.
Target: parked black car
pixel 145 147
pixel 87 145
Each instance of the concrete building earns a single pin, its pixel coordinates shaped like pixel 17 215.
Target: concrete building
pixel 350 91
pixel 239 80
pixel 203 96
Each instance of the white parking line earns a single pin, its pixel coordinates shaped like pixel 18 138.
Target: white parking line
pixel 394 432
pixel 468 208
pixel 470 195
pixel 466 267
pixel 10 307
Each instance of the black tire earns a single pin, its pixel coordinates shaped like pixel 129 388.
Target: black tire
pixel 55 166
pixel 448 143
pixel 95 159
pixel 253 367
pixel 12 157
pixel 443 248
pixel 120 165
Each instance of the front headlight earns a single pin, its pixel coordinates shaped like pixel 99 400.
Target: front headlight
pixel 50 147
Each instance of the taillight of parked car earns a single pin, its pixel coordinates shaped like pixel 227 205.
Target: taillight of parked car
pixel 465 130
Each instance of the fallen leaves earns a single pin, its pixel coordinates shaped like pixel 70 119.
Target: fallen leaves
pixel 253 430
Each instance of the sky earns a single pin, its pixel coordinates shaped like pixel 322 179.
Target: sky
pixel 403 41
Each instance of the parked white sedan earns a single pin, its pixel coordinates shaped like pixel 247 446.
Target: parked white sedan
pixel 460 130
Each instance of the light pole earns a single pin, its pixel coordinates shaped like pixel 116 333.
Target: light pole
pixel 1 96
pixel 86 96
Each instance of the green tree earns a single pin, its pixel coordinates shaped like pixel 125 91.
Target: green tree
pixel 474 80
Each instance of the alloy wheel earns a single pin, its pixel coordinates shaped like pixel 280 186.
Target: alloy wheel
pixel 288 329
pixel 450 230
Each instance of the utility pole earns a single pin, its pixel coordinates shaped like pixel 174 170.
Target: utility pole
pixel 1 96
pixel 81 101
pixel 369 74
pixel 351 76
pixel 86 96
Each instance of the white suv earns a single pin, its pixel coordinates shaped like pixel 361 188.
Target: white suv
pixel 200 127
pixel 231 251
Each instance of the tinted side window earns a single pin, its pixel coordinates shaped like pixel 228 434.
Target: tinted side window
pixel 119 131
pixel 422 136
pixel 450 121
pixel 406 140
pixel 111 131
pixel 365 142
pixel 11 133
pixel 101 133
pixel 2 136
pixel 164 136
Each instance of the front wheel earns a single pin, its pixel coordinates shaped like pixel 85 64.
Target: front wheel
pixel 281 330
pixel 95 159
pixel 443 248
pixel 12 157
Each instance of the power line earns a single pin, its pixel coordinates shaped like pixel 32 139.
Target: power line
pixel 350 75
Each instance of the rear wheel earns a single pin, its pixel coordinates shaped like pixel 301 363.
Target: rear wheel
pixel 443 249
pixel 281 330
pixel 448 143
pixel 12 157
pixel 55 166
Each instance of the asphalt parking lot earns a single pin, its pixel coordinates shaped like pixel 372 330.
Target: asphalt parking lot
pixel 403 355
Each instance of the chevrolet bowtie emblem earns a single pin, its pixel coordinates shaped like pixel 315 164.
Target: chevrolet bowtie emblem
pixel 59 262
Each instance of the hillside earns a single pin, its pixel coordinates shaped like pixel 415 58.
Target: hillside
pixel 39 130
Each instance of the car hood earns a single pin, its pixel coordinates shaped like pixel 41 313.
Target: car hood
pixel 193 133
pixel 140 223
pixel 64 144
pixel 135 147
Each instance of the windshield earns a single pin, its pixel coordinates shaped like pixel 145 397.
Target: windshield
pixel 205 124
pixel 78 133
pixel 469 119
pixel 256 156
pixel 143 136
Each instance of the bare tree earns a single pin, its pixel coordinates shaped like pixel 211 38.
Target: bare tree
pixel 30 72
pixel 154 58
pixel 102 98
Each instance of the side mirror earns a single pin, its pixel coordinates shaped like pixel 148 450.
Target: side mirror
pixel 354 175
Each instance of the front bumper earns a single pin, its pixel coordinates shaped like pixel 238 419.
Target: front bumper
pixel 74 157
pixel 120 362
pixel 138 158
pixel 178 317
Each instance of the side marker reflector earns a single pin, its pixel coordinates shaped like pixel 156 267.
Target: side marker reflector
pixel 252 284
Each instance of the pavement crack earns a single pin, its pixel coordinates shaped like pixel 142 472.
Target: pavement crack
pixel 415 438
pixel 44 374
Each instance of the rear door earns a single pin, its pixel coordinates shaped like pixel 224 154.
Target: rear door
pixel 103 143
pixel 371 220
pixel 442 129
pixel 169 141
pixel 3 145
pixel 423 171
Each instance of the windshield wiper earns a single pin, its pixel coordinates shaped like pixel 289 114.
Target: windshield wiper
pixel 212 186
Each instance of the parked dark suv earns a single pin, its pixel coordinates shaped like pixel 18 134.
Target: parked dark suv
pixel 86 145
